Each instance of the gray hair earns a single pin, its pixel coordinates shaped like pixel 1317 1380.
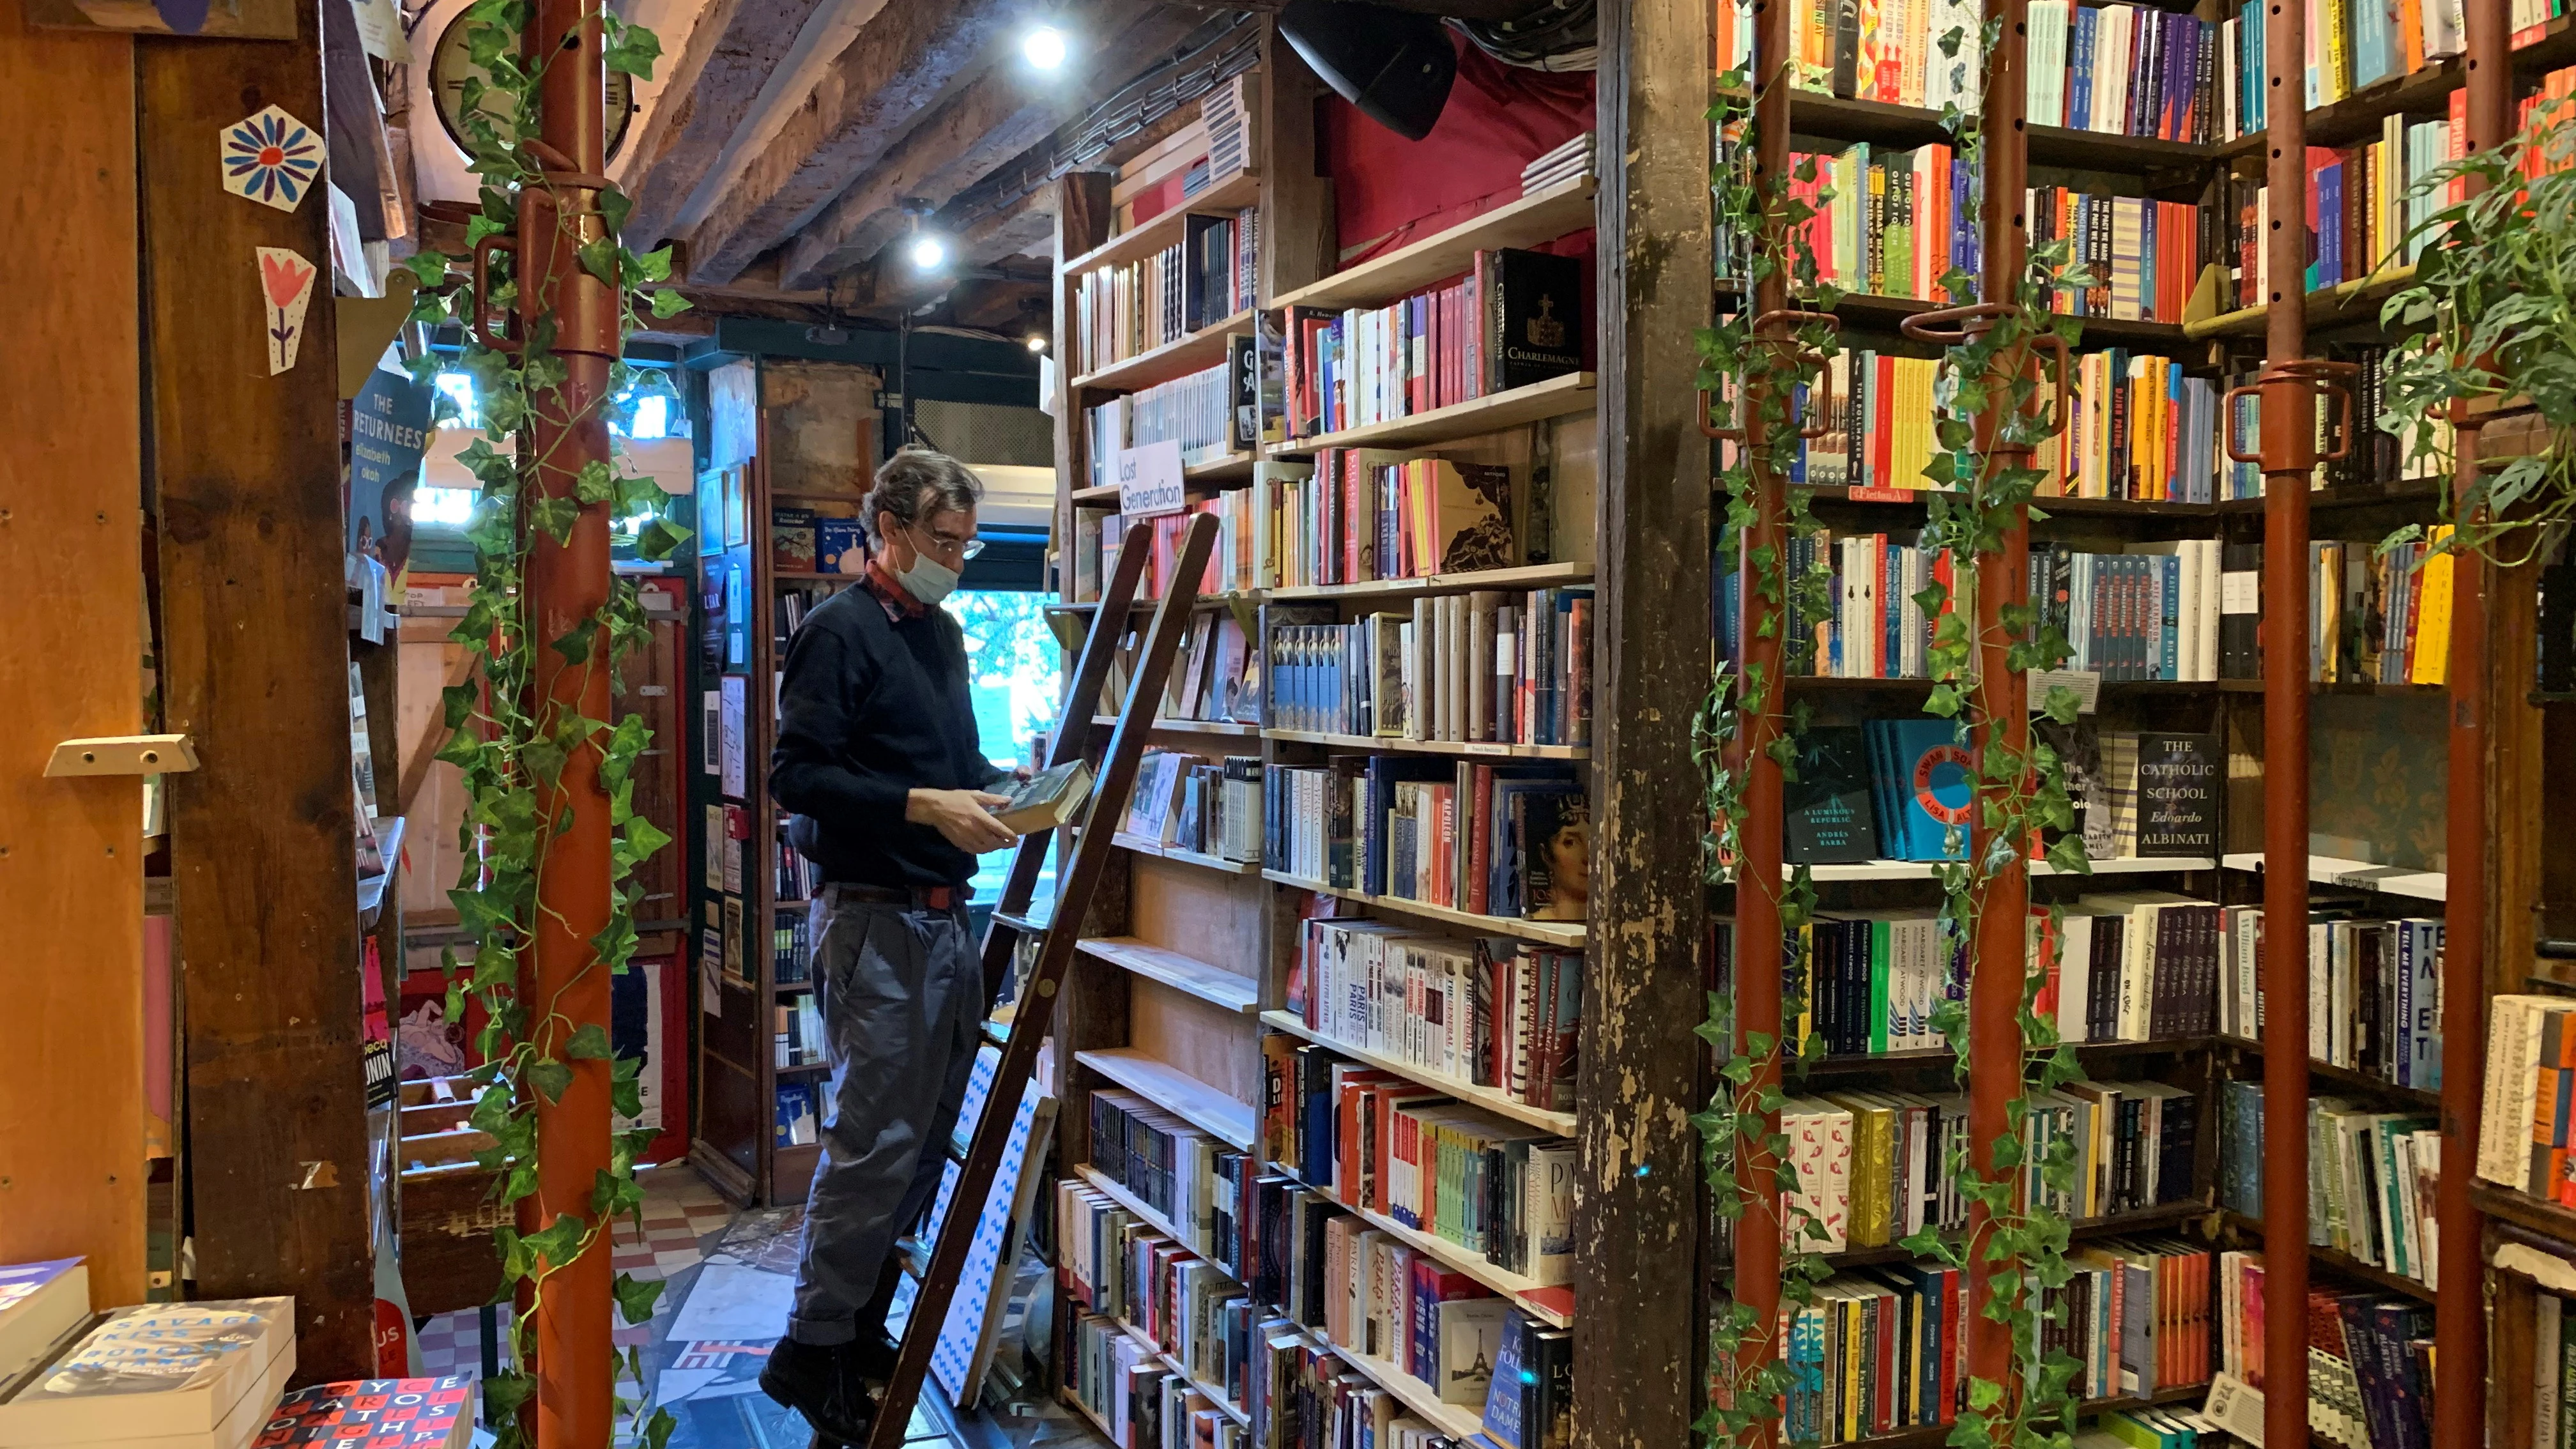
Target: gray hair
pixel 916 483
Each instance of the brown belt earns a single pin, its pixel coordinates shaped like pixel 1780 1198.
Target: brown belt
pixel 928 898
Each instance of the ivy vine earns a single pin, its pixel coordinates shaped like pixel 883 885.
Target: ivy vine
pixel 511 741
pixel 1982 483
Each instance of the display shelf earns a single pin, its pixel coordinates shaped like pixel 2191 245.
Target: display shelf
pixel 1553 933
pixel 1836 1068
pixel 2394 880
pixel 2355 495
pixel 2356 300
pixel 2344 1263
pixel 1555 398
pixel 803 1069
pixel 1526 222
pixel 1176 1092
pixel 2550 1220
pixel 1213 984
pixel 1872 310
pixel 1235 192
pixel 1226 727
pixel 1142 846
pixel 1525 576
pixel 1552 1306
pixel 1924 869
pixel 1931 1436
pixel 1193 352
pixel 1492 1099
pixel 1118 1193
pixel 2420 1098
pixel 2054 507
pixel 1429 747
pixel 1825 117
pixel 2424 92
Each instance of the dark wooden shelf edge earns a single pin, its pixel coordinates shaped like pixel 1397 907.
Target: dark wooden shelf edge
pixel 2358 1081
pixel 2341 1262
pixel 2546 1219
pixel 2146 1220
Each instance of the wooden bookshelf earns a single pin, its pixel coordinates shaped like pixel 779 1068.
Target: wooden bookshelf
pixel 1475 748
pixel 1542 216
pixel 2353 301
pixel 1527 576
pixel 1094 1178
pixel 1213 984
pixel 1176 1092
pixel 2326 870
pixel 1494 1100
pixel 1824 117
pixel 1231 194
pixel 1193 352
pixel 1143 846
pixel 1553 933
pixel 1455 1420
pixel 1555 398
pixel 1926 869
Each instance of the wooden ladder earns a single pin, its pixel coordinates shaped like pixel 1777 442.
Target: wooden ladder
pixel 1056 930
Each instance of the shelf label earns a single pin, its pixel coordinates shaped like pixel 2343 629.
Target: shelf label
pixel 1479 748
pixel 2087 684
pixel 1881 495
pixel 1149 480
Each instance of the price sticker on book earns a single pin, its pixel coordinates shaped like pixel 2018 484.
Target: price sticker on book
pixel 1149 480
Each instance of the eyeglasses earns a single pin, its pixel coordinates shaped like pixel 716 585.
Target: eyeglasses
pixel 959 548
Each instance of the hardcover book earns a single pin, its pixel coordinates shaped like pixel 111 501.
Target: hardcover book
pixel 1048 799
pixel 791 539
pixel 2178 784
pixel 1534 317
pixel 1829 816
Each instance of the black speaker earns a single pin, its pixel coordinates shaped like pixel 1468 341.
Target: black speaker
pixel 1395 65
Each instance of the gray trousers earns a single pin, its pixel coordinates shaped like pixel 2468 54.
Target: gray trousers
pixel 901 993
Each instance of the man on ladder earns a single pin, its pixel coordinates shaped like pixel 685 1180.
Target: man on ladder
pixel 877 756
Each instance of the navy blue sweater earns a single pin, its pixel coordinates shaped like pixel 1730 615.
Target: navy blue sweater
pixel 872 708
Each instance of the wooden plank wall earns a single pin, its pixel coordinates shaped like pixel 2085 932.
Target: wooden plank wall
pixel 71 471
pixel 255 665
pixel 1639 1218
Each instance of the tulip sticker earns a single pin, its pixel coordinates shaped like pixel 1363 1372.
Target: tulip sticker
pixel 286 286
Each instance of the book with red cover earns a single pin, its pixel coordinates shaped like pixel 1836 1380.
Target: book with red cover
pixel 376 1414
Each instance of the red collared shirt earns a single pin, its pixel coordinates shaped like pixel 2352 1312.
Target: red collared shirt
pixel 898 601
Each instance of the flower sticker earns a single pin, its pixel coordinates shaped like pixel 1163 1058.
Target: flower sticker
pixel 271 158
pixel 286 288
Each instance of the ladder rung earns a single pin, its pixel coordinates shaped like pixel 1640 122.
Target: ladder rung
pixel 1023 923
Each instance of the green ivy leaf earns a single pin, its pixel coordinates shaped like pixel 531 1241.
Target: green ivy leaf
pixel 550 1077
pixel 589 1043
pixel 636 1297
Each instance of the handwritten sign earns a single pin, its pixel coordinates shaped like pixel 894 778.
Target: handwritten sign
pixel 1149 480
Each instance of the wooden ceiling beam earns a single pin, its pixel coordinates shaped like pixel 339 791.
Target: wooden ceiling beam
pixel 908 59
pixel 715 81
pixel 982 127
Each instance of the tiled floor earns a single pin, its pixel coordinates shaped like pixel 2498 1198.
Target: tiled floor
pixel 711 1385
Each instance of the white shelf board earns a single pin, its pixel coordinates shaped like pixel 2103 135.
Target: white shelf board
pixel 1557 397
pixel 2395 880
pixel 1527 576
pixel 1176 1092
pixel 1142 846
pixel 1539 217
pixel 1478 748
pixel 1923 869
pixel 1213 984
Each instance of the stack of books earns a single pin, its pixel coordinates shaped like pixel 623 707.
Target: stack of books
pixel 186 1375
pixel 1489 839
pixel 1568 162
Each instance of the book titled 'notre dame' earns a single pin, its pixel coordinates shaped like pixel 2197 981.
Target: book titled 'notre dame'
pixel 1533 316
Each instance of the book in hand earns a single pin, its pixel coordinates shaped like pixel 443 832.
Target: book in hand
pixel 176 1375
pixel 376 1414
pixel 39 1303
pixel 1047 799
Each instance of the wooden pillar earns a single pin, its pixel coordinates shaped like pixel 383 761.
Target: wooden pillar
pixel 1639 1332
pixel 71 477
pixel 246 473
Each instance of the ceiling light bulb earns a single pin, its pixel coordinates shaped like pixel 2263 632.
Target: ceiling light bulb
pixel 1037 342
pixel 928 252
pixel 1044 47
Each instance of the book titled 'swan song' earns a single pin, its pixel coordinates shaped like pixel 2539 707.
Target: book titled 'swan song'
pixel 161 1376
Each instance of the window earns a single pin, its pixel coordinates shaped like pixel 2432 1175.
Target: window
pixel 1014 676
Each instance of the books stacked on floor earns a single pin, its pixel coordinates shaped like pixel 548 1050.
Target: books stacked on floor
pixel 1100 537
pixel 1510 668
pixel 1197 282
pixel 790 953
pixel 1121 1269
pixel 1372 1140
pixel 1514 319
pixel 2371 1176
pixel 798 1037
pixel 1876 628
pixel 1201 411
pixel 2380 618
pixel 1365 514
pixel 1495 840
pixel 799 1114
pixel 1178 1170
pixel 1878 428
pixel 1193 803
pixel 1568 162
pixel 2139 430
pixel 435 1413
pixel 1489 1012
pixel 186 1375
pixel 2370 1358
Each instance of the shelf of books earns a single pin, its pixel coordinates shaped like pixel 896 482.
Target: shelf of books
pixel 1365 804
pixel 778 537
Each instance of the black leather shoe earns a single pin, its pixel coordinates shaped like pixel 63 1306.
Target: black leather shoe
pixel 826 1385
pixel 876 1355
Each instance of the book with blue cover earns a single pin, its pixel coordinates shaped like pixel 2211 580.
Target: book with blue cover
pixel 1931 781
